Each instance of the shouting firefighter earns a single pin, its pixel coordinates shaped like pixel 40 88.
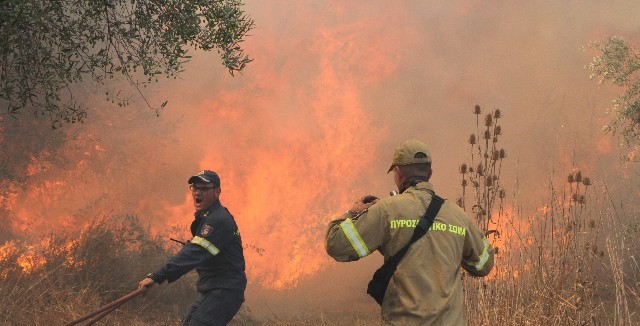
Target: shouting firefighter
pixel 424 240
pixel 215 251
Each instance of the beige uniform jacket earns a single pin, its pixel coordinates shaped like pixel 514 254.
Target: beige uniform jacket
pixel 426 288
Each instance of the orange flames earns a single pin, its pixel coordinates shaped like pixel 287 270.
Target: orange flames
pixel 27 258
pixel 284 181
pixel 288 157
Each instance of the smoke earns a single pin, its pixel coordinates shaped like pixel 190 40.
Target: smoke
pixel 311 124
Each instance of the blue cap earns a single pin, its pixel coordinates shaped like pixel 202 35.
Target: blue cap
pixel 206 176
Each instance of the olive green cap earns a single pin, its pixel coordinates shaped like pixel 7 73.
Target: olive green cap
pixel 410 152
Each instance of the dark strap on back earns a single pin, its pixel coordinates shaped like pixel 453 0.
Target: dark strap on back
pixel 378 285
pixel 421 229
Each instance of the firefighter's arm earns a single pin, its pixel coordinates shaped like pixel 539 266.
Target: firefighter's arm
pixel 478 252
pixel 211 239
pixel 189 257
pixel 350 238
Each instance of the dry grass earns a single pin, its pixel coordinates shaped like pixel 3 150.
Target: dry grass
pixel 569 262
pixel 74 275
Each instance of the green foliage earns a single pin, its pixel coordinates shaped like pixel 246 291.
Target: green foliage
pixel 619 63
pixel 48 46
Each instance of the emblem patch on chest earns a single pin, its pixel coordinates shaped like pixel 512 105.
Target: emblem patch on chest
pixel 206 230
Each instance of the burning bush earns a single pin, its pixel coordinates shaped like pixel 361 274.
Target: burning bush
pixel 69 275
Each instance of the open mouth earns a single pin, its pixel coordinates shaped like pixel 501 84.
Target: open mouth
pixel 198 200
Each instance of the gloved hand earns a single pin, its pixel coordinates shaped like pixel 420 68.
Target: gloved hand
pixel 363 203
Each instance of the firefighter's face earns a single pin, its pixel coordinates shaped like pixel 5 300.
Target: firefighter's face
pixel 204 195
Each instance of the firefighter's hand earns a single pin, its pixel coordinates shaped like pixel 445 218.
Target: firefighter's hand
pixel 364 203
pixel 147 283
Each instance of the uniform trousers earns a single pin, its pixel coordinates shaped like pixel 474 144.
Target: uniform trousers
pixel 214 308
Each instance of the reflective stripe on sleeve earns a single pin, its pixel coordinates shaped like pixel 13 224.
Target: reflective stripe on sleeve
pixel 354 237
pixel 485 254
pixel 204 243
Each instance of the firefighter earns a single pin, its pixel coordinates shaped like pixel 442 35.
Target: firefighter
pixel 215 251
pixel 426 288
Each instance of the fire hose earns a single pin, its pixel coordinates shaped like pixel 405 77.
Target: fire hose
pixel 106 309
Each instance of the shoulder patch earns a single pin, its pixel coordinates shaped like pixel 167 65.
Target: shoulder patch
pixel 206 230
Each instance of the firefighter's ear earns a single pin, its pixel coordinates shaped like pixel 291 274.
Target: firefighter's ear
pixel 217 191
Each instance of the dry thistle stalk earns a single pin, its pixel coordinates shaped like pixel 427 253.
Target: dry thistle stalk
pixel 484 169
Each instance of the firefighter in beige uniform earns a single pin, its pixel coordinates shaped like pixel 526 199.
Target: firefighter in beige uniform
pixel 426 288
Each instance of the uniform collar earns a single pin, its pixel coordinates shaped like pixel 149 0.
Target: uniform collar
pixel 424 185
pixel 411 182
pixel 208 210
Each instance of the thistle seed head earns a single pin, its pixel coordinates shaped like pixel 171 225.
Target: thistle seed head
pixel 502 194
pixel 476 109
pixel 463 168
pixel 472 139
pixel 497 114
pixel 488 120
pixel 503 154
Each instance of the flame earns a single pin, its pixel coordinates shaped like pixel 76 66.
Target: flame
pixel 511 228
pixel 27 257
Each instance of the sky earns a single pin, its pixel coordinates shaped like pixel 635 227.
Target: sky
pixel 310 126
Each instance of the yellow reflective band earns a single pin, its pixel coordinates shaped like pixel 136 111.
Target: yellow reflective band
pixel 354 237
pixel 206 245
pixel 485 254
